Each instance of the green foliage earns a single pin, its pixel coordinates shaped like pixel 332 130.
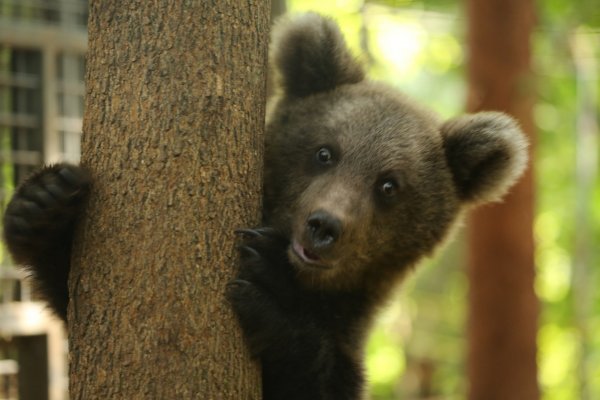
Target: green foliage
pixel 437 5
pixel 565 14
pixel 567 213
pixel 6 170
pixel 386 362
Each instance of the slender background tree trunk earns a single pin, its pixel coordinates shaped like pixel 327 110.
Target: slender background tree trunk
pixel 503 306
pixel 173 138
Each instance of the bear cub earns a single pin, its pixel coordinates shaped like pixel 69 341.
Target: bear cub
pixel 360 184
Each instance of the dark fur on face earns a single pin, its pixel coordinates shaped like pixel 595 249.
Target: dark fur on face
pixel 376 138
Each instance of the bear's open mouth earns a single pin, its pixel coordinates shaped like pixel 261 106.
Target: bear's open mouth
pixel 306 256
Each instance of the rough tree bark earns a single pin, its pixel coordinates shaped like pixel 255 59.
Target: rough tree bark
pixel 503 306
pixel 173 138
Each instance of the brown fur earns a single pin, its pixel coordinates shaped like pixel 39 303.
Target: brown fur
pixel 362 183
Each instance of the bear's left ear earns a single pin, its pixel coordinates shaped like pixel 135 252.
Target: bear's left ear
pixel 486 152
pixel 310 55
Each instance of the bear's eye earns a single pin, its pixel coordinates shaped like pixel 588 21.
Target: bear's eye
pixel 388 188
pixel 323 156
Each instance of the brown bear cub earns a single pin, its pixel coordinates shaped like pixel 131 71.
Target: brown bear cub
pixel 360 184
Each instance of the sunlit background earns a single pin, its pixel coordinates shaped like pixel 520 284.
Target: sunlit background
pixel 418 348
pixel 420 339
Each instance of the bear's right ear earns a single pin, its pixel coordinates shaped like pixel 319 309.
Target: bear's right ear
pixel 310 55
pixel 486 152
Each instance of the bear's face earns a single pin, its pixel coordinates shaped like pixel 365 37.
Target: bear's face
pixel 365 163
pixel 360 178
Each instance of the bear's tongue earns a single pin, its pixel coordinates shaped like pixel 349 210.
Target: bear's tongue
pixel 305 254
pixel 310 256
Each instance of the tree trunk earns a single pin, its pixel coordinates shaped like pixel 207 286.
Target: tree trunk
pixel 503 307
pixel 173 132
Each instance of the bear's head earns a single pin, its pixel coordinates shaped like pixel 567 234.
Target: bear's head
pixel 364 181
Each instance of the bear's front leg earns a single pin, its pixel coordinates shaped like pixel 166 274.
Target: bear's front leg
pixel 288 328
pixel 38 227
pixel 263 289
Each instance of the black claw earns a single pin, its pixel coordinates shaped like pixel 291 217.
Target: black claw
pixel 18 225
pixel 265 231
pixel 249 252
pixel 68 176
pixel 236 283
pixel 248 232
pixel 234 286
pixel 31 208
pixel 42 197
pixel 258 232
pixel 75 178
pixel 56 191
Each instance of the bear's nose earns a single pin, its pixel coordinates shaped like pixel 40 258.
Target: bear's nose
pixel 323 230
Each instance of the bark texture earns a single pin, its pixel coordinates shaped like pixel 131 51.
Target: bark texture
pixel 503 306
pixel 173 138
